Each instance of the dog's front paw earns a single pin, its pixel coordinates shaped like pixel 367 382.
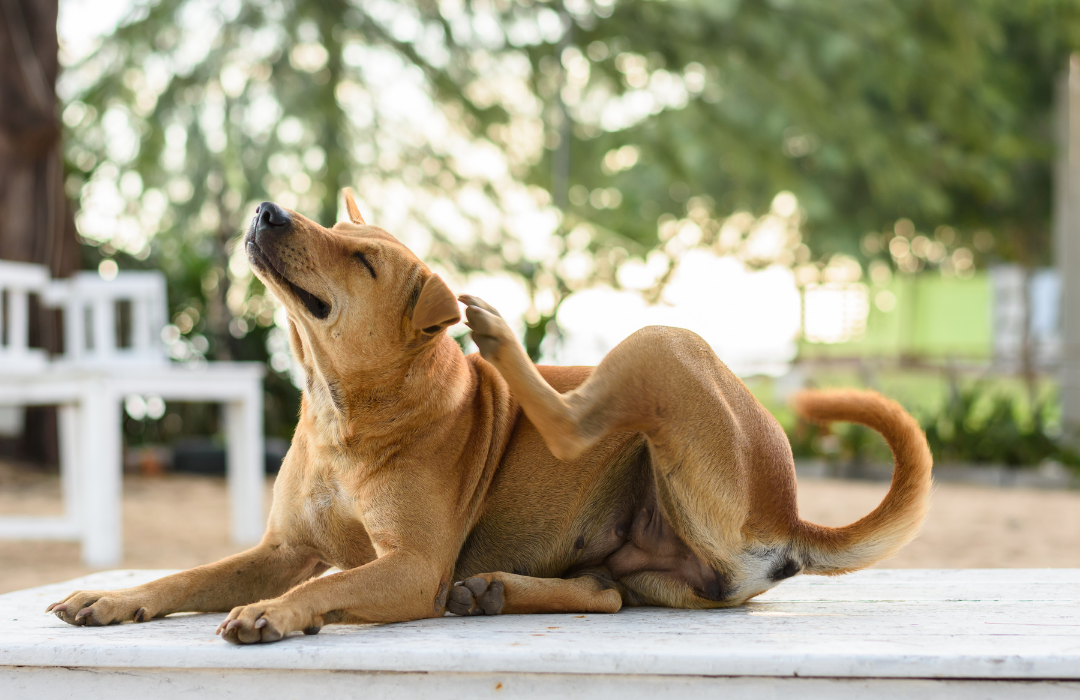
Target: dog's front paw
pixel 489 331
pixel 267 621
pixel 476 596
pixel 97 608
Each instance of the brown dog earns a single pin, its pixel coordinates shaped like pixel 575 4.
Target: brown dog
pixel 654 479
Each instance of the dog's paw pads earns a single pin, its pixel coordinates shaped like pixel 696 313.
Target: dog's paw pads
pixel 475 596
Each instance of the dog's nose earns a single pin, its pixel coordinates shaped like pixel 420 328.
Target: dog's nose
pixel 270 217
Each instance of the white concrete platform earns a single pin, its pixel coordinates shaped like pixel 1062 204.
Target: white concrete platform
pixel 883 634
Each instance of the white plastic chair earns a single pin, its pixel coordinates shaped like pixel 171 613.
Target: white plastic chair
pixel 26 380
pixel 98 369
pixel 91 305
pixel 17 282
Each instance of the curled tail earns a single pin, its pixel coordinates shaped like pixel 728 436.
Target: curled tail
pixel 896 521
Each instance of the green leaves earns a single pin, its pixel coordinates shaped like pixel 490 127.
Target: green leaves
pixel 448 117
pixel 980 425
pixel 868 112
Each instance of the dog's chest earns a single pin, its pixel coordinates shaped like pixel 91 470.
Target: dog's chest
pixel 329 515
pixel 324 496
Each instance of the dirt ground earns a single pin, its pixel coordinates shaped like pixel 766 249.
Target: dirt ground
pixel 178 521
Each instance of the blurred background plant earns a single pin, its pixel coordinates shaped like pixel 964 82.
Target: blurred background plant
pixel 792 163
pixel 980 423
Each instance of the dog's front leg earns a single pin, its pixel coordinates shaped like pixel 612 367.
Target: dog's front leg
pixel 397 587
pixel 268 569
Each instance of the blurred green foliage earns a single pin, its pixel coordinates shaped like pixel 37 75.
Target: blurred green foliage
pixel 982 424
pixel 979 421
pixel 868 111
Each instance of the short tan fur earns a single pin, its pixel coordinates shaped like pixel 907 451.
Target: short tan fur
pixel 484 484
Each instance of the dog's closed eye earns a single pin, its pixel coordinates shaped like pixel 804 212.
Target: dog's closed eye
pixel 359 255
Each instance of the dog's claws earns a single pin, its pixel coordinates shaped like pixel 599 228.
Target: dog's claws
pixel 140 615
pixel 478 303
pixel 85 612
pixel 261 622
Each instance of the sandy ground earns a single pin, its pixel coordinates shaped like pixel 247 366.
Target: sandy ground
pixel 179 521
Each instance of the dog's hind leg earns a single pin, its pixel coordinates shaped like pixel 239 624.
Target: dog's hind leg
pixel 555 417
pixel 665 382
pixel 499 592
pixel 715 451
pixel 629 390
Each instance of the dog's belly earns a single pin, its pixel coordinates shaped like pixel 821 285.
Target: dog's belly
pixel 646 543
pixel 598 516
pixel 541 517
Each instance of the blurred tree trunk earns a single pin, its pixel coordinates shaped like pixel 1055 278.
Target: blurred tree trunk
pixel 1067 241
pixel 36 224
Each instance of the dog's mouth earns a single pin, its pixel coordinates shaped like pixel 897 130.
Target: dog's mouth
pixel 315 306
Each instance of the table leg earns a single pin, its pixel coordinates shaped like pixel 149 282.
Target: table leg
pixel 68 418
pixel 245 466
pixel 100 488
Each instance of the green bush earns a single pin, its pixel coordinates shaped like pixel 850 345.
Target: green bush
pixel 981 424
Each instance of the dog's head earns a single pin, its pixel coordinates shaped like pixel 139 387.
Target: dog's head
pixel 360 303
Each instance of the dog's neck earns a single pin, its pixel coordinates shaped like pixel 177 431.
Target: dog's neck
pixel 369 412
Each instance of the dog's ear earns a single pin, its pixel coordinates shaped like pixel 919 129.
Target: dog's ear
pixel 350 205
pixel 436 308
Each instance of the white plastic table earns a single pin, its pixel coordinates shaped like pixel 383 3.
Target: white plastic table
pixel 88 382
pixel 957 634
pixel 91 444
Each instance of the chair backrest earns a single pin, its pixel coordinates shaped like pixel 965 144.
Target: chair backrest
pixel 17 282
pixel 112 322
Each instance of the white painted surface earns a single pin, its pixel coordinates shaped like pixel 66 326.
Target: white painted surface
pixel 901 624
pixel 168 684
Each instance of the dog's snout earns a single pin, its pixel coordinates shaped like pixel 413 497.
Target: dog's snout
pixel 270 217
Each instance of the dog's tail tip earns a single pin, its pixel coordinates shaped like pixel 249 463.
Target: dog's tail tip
pixel 897 520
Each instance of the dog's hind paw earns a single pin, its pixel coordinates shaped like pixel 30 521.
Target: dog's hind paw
pixel 489 330
pixel 476 596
